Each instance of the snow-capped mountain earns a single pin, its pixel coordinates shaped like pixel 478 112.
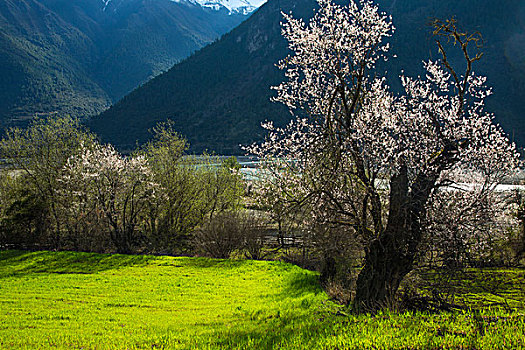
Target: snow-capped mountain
pixel 233 6
pixel 241 7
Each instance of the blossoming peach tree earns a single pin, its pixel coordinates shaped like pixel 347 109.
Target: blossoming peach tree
pixel 100 179
pixel 373 161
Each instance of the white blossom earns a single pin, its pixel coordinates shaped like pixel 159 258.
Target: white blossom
pixel 351 134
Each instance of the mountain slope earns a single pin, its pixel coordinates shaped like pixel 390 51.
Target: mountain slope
pixel 39 68
pixel 153 35
pixel 78 57
pixel 218 97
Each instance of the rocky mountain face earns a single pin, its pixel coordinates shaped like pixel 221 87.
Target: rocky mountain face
pixel 80 56
pixel 218 97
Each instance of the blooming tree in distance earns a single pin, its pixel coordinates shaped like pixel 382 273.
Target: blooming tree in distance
pixel 119 188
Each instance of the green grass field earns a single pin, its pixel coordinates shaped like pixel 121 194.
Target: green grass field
pixel 91 301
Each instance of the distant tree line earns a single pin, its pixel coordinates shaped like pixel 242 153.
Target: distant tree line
pixel 62 189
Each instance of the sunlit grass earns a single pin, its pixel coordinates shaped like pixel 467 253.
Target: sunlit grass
pixel 92 301
pixel 81 300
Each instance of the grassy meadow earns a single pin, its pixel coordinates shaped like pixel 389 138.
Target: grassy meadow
pixel 72 300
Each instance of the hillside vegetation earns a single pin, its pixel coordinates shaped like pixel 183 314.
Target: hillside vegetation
pixel 71 300
pixel 219 96
pixel 79 57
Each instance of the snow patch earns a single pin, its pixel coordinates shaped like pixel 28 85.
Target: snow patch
pixel 244 7
pixel 105 2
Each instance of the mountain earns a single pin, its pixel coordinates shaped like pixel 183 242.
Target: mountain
pixel 79 56
pixel 218 97
pixel 244 7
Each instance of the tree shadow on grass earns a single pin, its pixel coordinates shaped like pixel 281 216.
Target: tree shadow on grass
pixel 20 263
pixel 303 319
pixel 302 283
pixel 275 333
pixel 481 287
pixel 214 263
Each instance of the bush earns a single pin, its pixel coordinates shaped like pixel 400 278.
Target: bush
pixel 220 236
pixel 192 189
pixel 25 221
pixel 231 231
pixel 61 189
pixel 255 231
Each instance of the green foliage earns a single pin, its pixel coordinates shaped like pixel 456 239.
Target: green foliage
pixel 78 300
pixel 23 214
pixel 166 148
pixel 192 190
pixel 231 163
pixel 35 158
pixel 43 148
pixel 61 189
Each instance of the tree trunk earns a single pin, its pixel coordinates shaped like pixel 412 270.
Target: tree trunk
pixel 390 256
pixel 384 269
pixel 328 269
pixel 120 241
pixel 521 224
